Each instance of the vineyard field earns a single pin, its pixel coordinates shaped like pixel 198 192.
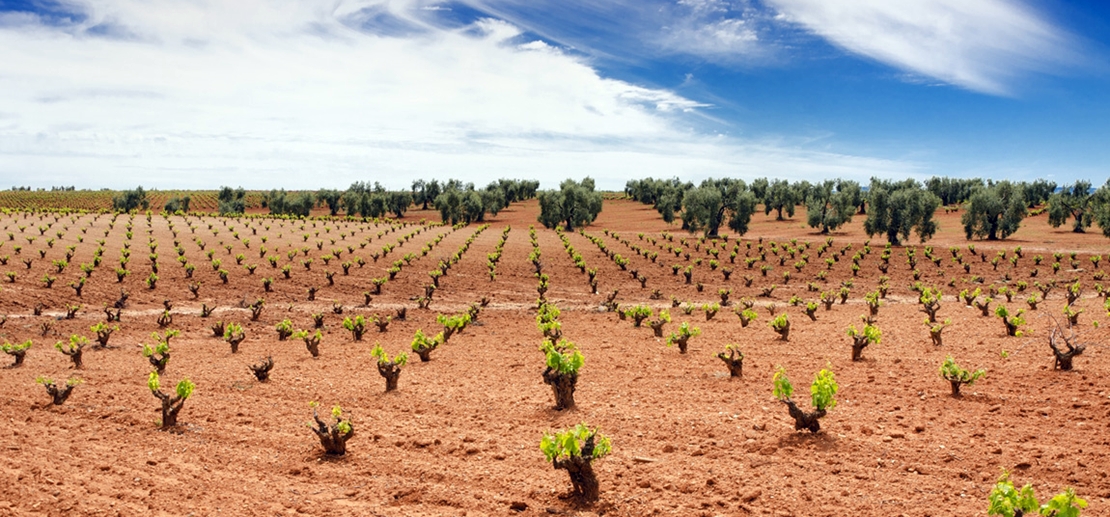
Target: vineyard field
pixel 461 434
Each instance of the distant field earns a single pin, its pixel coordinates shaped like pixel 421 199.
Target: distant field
pixel 93 200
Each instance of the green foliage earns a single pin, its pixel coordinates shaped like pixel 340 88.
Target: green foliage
pixel 954 373
pixel 454 322
pixel 281 203
pixel 575 204
pixel 780 322
pixel 823 390
pixel 1073 201
pixel 422 342
pixel 638 314
pixel 160 348
pixel 129 200
pixel 569 443
pixel 1013 323
pixel 10 348
pixel 899 208
pixel 830 204
pixel 1065 504
pixel 76 342
pixel 1008 501
pixel 184 388
pixel 685 332
pixel 563 357
pixel 995 212
pixel 284 329
pixel 356 326
pixel 231 202
pixel 870 332
pixel 780 196
pixel 234 332
pixel 705 207
pixel 378 353
pixel 783 389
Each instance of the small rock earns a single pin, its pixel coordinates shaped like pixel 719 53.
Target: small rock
pixel 668 448
pixel 751 495
pixel 919 429
pixel 518 506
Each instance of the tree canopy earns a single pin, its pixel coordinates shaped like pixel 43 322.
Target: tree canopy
pixel 899 208
pixel 704 208
pixel 1072 201
pixel 574 204
pixel 129 200
pixel 232 201
pixel 995 212
pixel 830 204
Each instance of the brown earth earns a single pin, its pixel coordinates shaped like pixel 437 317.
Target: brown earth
pixel 460 436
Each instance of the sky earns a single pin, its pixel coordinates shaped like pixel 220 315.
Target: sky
pixel 195 94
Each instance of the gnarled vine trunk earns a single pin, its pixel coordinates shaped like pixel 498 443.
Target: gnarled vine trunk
pixel 803 420
pixel 581 472
pixel 331 438
pixel 392 374
pixel 562 384
pixel 171 406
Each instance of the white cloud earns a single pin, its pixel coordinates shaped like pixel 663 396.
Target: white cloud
pixel 982 45
pixel 309 94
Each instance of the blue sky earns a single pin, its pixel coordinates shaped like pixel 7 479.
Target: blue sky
pixel 307 94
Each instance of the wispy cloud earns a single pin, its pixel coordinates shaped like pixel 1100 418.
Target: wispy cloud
pixel 981 45
pixel 304 94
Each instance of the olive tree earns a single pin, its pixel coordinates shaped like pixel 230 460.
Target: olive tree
pixel 231 201
pixel 705 207
pixel 1072 201
pixel 780 196
pixel 1102 208
pixel 1038 192
pixel 899 208
pixel 129 200
pixel 330 198
pixel 424 192
pixel 573 205
pixel 665 196
pixel 952 191
pixel 995 212
pixel 830 204
pixel 282 203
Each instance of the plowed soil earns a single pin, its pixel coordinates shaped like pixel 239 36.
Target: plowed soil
pixel 460 436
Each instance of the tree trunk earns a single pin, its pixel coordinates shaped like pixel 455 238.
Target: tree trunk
pixel 171 406
pixel 735 366
pixel 857 349
pixel 581 477
pixel 391 373
pixel 955 388
pixel 803 420
pixel 59 394
pixel 563 386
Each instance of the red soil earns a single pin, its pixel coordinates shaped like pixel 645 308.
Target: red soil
pixel 461 435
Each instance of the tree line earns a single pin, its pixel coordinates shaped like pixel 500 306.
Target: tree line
pixel 894 209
